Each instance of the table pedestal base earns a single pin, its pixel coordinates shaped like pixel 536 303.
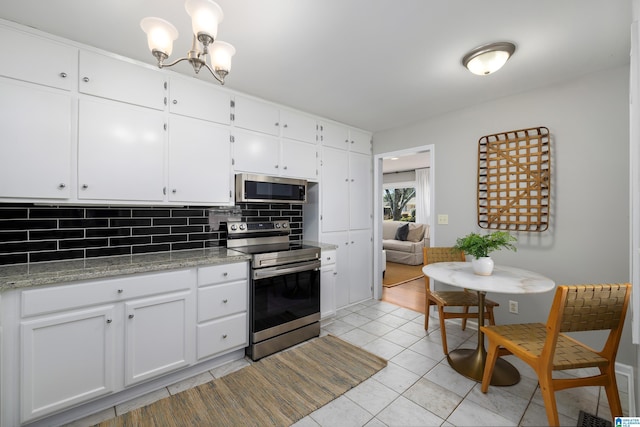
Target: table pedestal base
pixel 470 363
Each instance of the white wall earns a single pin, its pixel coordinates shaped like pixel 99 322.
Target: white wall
pixel 588 237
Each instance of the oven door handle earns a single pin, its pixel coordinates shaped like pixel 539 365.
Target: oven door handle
pixel 264 273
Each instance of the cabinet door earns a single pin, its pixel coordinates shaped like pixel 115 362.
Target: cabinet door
pixel 360 142
pixel 360 265
pixel 256 153
pixel 333 135
pixel 335 190
pixel 341 240
pixel 298 126
pixel 120 152
pixel 256 115
pixel 199 162
pixel 299 160
pixel 193 98
pixel 66 359
pixel 124 81
pixel 35 159
pixel 328 291
pixel 159 335
pixel 360 191
pixel 38 60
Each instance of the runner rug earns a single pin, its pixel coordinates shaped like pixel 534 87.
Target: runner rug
pixel 275 391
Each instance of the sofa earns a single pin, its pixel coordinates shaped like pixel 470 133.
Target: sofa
pixel 404 246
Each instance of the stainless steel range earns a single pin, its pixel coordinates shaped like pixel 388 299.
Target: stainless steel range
pixel 284 297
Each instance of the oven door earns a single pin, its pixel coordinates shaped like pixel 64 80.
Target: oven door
pixel 284 298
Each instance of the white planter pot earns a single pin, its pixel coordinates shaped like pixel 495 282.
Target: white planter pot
pixel 482 266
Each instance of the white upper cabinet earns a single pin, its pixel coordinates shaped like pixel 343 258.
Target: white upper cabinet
pixel 335 190
pixel 256 153
pixel 38 60
pixel 120 80
pixel 256 115
pixel 120 152
pixel 360 141
pixel 299 160
pixel 199 162
pixel 298 126
pixel 194 98
pixel 334 135
pixel 360 191
pixel 35 159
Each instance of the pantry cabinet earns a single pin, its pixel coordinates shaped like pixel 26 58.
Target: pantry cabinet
pixel 328 274
pixel 36 141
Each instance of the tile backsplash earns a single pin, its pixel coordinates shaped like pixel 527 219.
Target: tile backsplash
pixel 32 233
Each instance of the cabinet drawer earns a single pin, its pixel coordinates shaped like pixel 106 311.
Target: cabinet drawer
pixel 222 273
pixel 222 335
pixel 58 298
pixel 328 257
pixel 222 300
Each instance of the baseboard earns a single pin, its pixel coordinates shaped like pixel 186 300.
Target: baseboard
pixel 627 371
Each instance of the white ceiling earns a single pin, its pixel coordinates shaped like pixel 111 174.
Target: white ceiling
pixel 374 64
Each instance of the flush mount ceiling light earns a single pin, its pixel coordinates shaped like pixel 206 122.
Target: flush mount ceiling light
pixel 205 17
pixel 489 58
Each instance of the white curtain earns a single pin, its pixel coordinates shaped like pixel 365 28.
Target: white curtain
pixel 423 196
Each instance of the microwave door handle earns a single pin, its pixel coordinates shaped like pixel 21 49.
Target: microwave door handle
pixel 281 271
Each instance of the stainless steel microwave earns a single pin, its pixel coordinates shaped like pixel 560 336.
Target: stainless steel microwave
pixel 270 189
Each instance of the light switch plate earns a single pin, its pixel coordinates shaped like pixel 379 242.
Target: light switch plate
pixel 443 219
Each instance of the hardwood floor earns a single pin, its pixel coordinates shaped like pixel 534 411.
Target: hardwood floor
pixel 408 295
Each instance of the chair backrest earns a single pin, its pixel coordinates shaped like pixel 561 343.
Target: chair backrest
pixel 440 254
pixel 589 308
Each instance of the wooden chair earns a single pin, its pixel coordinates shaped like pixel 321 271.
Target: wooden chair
pixel 464 298
pixel 546 348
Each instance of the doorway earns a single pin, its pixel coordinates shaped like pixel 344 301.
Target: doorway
pixel 409 159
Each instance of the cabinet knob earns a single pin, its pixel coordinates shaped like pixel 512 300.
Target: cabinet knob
pixel 175 101
pixel 346 140
pixel 225 274
pixel 109 320
pixel 131 316
pixel 277 124
pixel 174 191
pixel 285 168
pixel 61 185
pixel 286 125
pixel 85 186
pixel 120 291
pixel 225 300
pixel 85 79
pixel 352 141
pixel 276 166
pixel 63 75
pixel 224 337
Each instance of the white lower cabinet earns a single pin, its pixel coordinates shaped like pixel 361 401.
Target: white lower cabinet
pixel 223 322
pixel 68 358
pixel 144 324
pixel 158 335
pixel 328 273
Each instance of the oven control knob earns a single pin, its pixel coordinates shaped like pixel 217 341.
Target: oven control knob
pixel 241 226
pixel 284 225
pixel 277 225
pixel 233 227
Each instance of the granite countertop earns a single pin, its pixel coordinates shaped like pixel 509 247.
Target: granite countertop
pixel 58 272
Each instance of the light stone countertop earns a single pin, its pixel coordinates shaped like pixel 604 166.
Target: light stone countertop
pixel 59 272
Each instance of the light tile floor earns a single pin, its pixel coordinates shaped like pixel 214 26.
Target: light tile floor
pixel 418 387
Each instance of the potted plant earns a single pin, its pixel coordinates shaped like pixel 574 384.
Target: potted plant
pixel 480 246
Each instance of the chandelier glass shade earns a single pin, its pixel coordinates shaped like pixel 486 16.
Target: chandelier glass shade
pixel 489 58
pixel 205 17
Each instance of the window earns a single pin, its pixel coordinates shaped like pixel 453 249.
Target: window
pixel 399 203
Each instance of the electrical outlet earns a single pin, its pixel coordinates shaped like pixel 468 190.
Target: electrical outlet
pixel 513 307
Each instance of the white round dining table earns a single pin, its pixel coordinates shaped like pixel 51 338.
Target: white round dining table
pixel 504 279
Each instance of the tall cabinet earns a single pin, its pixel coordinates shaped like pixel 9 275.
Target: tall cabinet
pixel 346 203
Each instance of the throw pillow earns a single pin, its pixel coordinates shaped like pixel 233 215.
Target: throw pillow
pixel 402 232
pixel 416 232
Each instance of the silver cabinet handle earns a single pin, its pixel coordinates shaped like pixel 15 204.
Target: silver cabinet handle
pixel 286 125
pixel 276 166
pixel 109 320
pixel 63 75
pixel 285 168
pixel 120 291
pixel 131 316
pixel 224 337
pixel 225 300
pixel 85 186
pixel 174 191
pixel 225 274
pixel 85 79
pixel 62 185
pixel 175 101
pixel 277 124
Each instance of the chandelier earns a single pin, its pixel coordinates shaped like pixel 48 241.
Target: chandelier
pixel 205 17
